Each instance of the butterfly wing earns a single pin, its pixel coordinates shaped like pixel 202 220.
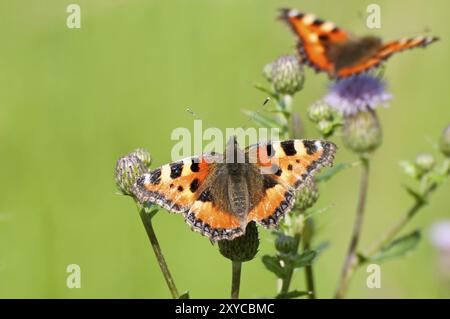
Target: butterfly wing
pixel 183 187
pixel 286 167
pixel 385 52
pixel 315 37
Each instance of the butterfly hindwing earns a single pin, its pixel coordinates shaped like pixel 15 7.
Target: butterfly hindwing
pixel 384 52
pixel 286 167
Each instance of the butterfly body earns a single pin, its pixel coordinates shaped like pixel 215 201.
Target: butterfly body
pixel 219 194
pixel 328 48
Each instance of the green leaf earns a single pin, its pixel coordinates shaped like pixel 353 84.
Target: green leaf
pixel 417 196
pixel 184 295
pixel 304 259
pixel 262 88
pixel 261 119
pixel 273 265
pixel 398 247
pixel 323 177
pixel 291 294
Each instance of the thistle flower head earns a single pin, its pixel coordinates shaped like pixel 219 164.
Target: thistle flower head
pixel 128 168
pixel 285 74
pixel 285 244
pixel 307 196
pixel 357 94
pixel 242 248
pixel 362 132
pixel 144 156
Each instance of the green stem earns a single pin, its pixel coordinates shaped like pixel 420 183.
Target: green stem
pixel 147 221
pixel 309 274
pixel 351 260
pixel 236 267
pixel 290 269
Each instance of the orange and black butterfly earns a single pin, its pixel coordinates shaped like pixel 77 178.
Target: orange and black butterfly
pixel 219 197
pixel 328 48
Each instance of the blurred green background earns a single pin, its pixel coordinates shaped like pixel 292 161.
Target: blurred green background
pixel 73 100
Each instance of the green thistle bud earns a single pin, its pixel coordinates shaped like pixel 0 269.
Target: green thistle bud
pixel 307 196
pixel 362 132
pixel 242 248
pixel 267 71
pixel 286 75
pixel 445 141
pixel 143 155
pixel 425 162
pixel 325 128
pixel 128 168
pixel 285 244
pixel 320 111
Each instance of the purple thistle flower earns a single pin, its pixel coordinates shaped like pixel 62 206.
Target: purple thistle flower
pixel 357 94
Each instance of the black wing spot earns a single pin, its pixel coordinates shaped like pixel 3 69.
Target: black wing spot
pixel 323 37
pixel 269 182
pixel 176 169
pixel 318 22
pixel 310 147
pixel 195 167
pixel 155 177
pixel 277 170
pixel 194 185
pixel 269 150
pixel 289 167
pixel 288 148
pixel 180 188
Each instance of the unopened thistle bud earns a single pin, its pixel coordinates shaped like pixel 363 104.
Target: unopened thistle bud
pixel 425 162
pixel 320 111
pixel 128 168
pixel 242 248
pixel 286 75
pixel 285 244
pixel 307 196
pixel 144 156
pixel 362 132
pixel 445 141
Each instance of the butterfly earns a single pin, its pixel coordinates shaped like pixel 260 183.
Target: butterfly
pixel 328 48
pixel 219 194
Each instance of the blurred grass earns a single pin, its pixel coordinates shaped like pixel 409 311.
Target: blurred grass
pixel 73 101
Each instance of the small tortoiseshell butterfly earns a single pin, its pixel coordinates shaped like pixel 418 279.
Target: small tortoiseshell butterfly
pixel 327 48
pixel 219 196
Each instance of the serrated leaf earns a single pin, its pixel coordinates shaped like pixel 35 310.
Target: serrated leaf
pixel 398 247
pixel 184 295
pixel 261 119
pixel 273 265
pixel 304 259
pixel 321 247
pixel 291 294
pixel 323 177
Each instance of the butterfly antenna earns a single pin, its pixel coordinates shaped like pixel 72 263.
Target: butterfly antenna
pixel 195 115
pixel 258 111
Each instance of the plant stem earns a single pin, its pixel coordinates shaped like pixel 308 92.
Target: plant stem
pixel 146 220
pixel 351 259
pixel 309 275
pixel 287 281
pixel 235 278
